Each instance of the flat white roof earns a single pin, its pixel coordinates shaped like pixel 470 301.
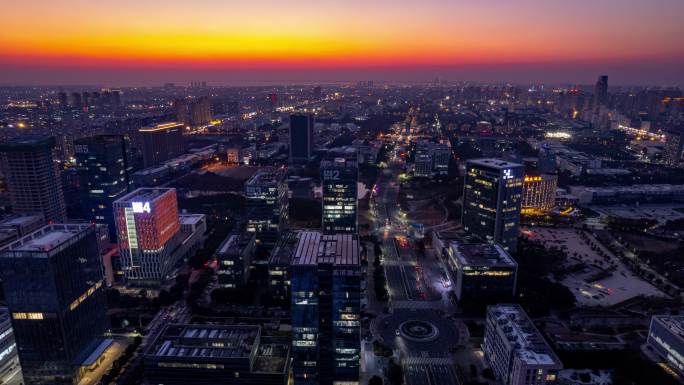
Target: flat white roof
pixel 493 163
pixel 529 345
pixel 47 238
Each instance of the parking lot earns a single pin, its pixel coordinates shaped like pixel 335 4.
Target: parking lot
pixel 602 280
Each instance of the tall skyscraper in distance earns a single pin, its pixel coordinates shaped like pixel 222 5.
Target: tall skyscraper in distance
pixel 32 176
pixel 193 113
pixel 301 138
pixel 162 142
pixel 601 92
pixel 339 179
pixel 267 205
pixel 52 280
pixel 326 305
pixel 492 199
pixel 104 164
pixel 148 230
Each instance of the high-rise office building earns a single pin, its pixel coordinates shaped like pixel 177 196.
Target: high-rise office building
pixel 325 297
pixel 340 196
pixel 539 193
pixel 162 142
pixel 515 350
pixel 233 258
pixel 193 113
pixel 148 230
pixel 674 148
pixel 492 199
pixel 104 165
pixel 601 92
pixel 52 279
pixel 9 359
pixel 32 177
pixel 279 264
pixel 267 205
pixel 301 138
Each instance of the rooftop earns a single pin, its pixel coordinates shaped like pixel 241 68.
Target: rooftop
pixel 205 341
pixel 493 163
pixel 145 194
pixel 481 254
pixel 29 142
pixel 528 344
pixel 235 243
pixel 21 220
pixel 190 219
pixel 315 247
pixel 283 250
pixel 47 239
pixel 674 323
pixel 264 177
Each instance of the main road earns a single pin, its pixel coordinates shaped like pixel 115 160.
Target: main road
pixel 417 323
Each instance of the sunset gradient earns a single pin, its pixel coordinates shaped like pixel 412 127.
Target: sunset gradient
pixel 63 37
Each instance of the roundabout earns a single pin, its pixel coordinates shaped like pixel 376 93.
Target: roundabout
pixel 424 330
pixel 418 330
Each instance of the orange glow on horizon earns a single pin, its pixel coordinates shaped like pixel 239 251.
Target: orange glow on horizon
pixel 331 34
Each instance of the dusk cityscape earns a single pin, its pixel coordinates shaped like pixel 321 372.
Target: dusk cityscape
pixel 323 192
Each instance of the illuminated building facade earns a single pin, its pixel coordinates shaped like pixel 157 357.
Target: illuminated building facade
pixel 481 272
pixel 301 138
pixel 32 177
pixel 666 337
pixel 148 230
pixel 162 142
pixel 104 164
pixel 326 301
pixel 340 204
pixel 267 205
pixel 515 350
pixel 539 193
pixel 492 199
pixel 53 281
pixel 9 359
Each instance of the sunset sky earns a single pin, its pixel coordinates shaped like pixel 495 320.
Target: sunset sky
pixel 228 41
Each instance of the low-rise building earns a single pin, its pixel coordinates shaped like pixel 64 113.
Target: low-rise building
pixel 481 271
pixel 215 354
pixel 666 337
pixel 642 193
pixel 17 226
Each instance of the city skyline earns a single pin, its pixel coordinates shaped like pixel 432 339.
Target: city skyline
pixel 74 42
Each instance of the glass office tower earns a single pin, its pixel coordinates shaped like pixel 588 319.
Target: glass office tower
pixel 267 205
pixel 301 138
pixel 492 198
pixel 340 206
pixel 52 280
pixel 104 164
pixel 326 299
